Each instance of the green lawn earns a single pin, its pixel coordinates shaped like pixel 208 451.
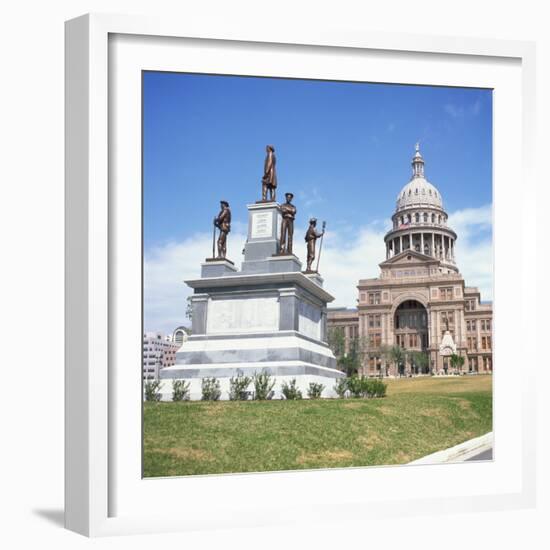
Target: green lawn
pixel 419 416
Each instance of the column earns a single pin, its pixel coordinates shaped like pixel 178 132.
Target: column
pixel 478 334
pixel 422 243
pixel 401 243
pixel 433 244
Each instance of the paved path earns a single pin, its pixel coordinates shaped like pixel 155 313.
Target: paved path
pixel 485 455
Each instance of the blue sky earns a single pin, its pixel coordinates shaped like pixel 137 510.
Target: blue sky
pixel 343 149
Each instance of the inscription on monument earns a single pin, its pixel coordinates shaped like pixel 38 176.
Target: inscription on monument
pixel 242 315
pixel 262 224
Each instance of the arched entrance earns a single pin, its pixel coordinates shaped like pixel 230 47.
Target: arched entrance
pixel 411 334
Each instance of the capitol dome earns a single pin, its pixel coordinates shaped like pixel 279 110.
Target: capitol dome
pixel 419 191
pixel 420 222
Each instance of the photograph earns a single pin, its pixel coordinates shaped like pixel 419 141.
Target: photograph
pixel 317 274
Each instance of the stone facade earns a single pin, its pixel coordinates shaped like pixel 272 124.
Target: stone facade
pixel 419 296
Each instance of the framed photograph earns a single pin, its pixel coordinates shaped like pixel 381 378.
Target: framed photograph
pixel 295 266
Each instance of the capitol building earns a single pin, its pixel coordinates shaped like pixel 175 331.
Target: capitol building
pixel 420 301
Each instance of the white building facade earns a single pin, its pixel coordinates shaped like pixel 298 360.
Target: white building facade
pixel 159 351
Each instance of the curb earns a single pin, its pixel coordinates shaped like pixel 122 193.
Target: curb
pixel 460 452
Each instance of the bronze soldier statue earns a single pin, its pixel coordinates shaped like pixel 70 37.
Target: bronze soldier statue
pixel 311 239
pixel 269 179
pixel 288 212
pixel 223 223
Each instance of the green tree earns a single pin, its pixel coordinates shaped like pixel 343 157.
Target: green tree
pixel 457 361
pixel 189 309
pixel 420 360
pixel 396 355
pixel 336 340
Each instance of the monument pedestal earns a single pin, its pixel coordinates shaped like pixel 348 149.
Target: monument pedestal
pixel 269 317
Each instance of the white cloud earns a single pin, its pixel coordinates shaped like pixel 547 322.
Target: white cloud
pixel 167 267
pixel 474 247
pixel 454 111
pixel 348 254
pixel 461 111
pixel 311 197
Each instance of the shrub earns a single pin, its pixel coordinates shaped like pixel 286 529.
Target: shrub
pixel 210 389
pixel 263 386
pixel 151 390
pixel 290 391
pixel 356 386
pixel 238 387
pixel 341 387
pixel 180 390
pixel 366 387
pixel 376 388
pixel 315 390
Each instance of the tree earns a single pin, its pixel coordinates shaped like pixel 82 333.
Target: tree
pixel 457 361
pixel 420 359
pixel 189 309
pixel 336 340
pixel 350 361
pixel 395 354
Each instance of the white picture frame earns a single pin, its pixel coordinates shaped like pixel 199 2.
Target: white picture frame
pixel 104 495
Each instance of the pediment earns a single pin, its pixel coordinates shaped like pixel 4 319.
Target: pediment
pixel 409 257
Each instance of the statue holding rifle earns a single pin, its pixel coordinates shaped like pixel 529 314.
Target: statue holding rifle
pixel 311 238
pixel 223 222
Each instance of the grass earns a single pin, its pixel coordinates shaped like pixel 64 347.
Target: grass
pixel 419 416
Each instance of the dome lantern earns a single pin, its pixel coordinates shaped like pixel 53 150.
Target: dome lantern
pixel 418 163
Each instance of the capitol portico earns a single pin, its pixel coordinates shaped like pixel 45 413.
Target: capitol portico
pixel 420 301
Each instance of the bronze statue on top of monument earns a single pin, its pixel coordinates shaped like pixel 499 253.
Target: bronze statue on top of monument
pixel 222 222
pixel 311 239
pixel 269 179
pixel 288 214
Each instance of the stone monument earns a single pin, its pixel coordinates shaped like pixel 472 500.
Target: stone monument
pixel 268 316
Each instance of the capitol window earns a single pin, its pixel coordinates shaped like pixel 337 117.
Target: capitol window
pixel 374 298
pixel 446 293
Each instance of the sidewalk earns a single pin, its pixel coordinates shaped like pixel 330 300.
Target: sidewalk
pixel 469 450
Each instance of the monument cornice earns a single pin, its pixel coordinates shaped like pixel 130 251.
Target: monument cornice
pixel 297 278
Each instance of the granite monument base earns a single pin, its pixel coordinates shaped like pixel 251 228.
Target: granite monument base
pixel 284 355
